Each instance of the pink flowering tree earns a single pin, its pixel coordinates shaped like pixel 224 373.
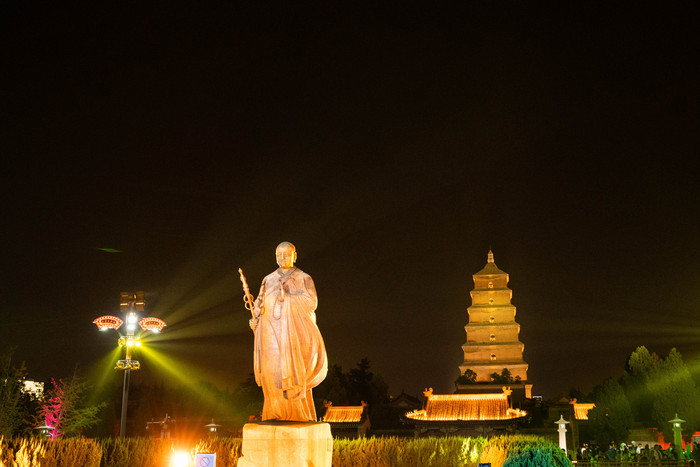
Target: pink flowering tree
pixel 51 411
pixel 63 408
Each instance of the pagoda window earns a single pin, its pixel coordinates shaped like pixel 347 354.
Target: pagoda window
pixel 492 337
pixel 490 300
pixel 490 285
pixel 491 319
pixel 493 356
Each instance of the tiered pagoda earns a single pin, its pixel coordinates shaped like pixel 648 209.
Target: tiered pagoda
pixel 484 406
pixel 492 335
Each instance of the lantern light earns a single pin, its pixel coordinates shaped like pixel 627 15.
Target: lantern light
pixel 108 322
pixel 152 324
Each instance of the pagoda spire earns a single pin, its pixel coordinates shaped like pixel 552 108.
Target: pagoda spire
pixel 490 256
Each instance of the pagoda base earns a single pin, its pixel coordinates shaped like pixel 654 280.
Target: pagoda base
pixel 293 444
pixel 520 391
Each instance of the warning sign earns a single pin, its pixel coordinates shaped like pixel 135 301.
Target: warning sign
pixel 205 460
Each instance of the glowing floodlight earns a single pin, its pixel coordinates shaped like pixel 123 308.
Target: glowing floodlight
pixel 180 459
pixel 129 341
pixel 108 322
pixel 152 324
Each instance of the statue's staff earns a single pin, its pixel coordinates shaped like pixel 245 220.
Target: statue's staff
pixel 248 300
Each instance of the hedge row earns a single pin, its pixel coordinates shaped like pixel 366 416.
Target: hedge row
pixel 506 451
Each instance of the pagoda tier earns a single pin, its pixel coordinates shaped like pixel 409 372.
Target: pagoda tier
pixel 492 333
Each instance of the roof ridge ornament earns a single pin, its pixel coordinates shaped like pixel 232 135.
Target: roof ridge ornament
pixel 490 256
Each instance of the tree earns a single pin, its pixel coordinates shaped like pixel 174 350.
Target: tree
pixel 365 385
pixel 578 395
pixel 675 392
pixel 641 371
pixel 12 397
pixel 64 408
pixel 611 418
pixel 659 388
pixel 469 377
pixel 334 388
pixel 504 378
pixel 351 388
pixel 248 397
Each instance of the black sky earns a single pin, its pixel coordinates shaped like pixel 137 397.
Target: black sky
pixel 392 146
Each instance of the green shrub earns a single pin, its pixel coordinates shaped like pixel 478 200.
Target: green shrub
pixel 523 450
pixel 538 457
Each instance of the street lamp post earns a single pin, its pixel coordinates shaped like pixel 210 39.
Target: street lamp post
pixel 562 431
pixel 211 428
pixel 45 431
pixel 677 439
pixel 130 304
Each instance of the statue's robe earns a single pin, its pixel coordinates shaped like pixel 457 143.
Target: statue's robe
pixel 289 357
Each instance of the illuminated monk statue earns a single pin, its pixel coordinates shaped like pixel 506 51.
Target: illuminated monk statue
pixel 290 357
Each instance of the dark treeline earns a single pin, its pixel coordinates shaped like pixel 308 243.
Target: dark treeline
pixel 95 410
pixel 651 391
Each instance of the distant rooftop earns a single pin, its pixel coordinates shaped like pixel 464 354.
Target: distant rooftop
pixel 343 414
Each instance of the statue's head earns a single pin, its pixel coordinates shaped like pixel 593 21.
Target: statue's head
pixel 286 255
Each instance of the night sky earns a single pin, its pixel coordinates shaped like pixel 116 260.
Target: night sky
pixel 393 147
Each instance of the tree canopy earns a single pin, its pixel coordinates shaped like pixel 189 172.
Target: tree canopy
pixel 658 388
pixel 357 385
pixel 469 377
pixel 13 400
pixel 611 418
pixel 64 407
pixel 504 378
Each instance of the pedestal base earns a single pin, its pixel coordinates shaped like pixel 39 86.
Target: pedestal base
pixel 292 444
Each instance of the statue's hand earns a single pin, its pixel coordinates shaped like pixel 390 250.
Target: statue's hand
pixel 253 323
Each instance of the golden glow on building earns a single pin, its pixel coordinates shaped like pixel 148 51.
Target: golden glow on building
pixel 581 410
pixel 343 414
pixel 467 407
pixel 492 332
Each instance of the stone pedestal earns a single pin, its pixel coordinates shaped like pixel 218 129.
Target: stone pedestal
pixel 289 444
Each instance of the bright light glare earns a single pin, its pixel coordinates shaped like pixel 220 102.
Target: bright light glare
pixel 180 459
pixel 130 343
pixel 131 319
